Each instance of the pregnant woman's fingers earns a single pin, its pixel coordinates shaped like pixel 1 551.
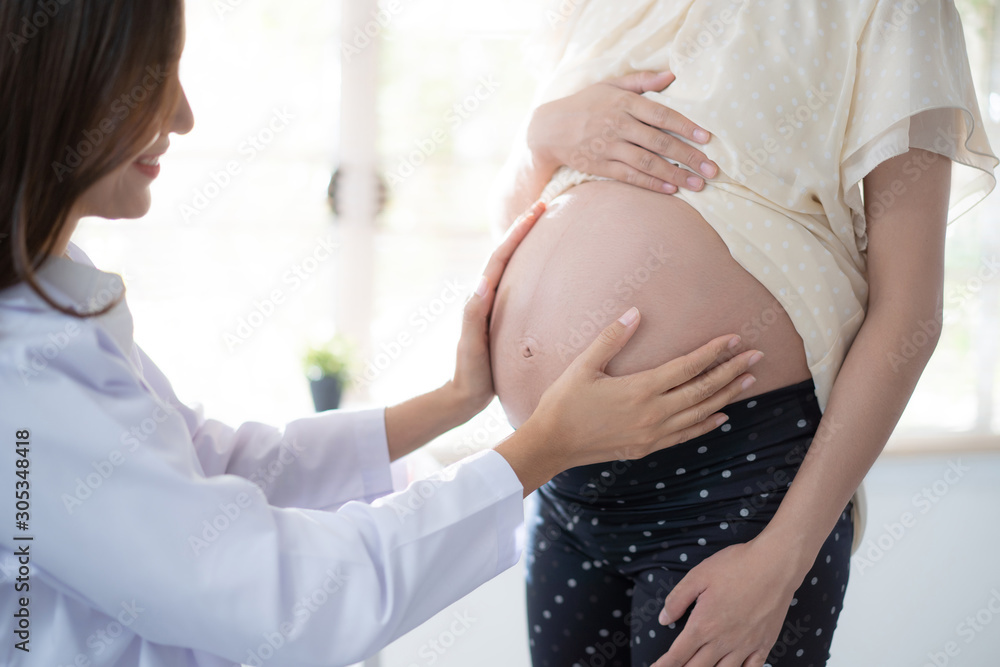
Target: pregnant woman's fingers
pixel 647 145
pixel 706 656
pixel 643 82
pixel 626 173
pixel 609 129
pixel 732 660
pixel 637 166
pixel 657 115
pixel 656 120
pixel 758 659
pixel 726 598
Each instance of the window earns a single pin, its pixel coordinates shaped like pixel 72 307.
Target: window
pixel 227 276
pixel 230 276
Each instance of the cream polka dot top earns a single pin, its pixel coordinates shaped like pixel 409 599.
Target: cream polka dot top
pixel 803 99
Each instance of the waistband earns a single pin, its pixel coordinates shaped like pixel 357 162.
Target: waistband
pixel 765 434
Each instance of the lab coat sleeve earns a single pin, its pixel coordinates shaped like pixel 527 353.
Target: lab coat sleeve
pixel 318 462
pixel 208 563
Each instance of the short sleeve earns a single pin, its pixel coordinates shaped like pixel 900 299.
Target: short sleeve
pixel 914 89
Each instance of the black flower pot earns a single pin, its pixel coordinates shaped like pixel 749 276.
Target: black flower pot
pixel 326 392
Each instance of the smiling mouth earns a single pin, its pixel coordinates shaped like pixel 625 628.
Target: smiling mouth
pixel 148 166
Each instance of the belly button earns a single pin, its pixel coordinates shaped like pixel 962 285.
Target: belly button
pixel 528 347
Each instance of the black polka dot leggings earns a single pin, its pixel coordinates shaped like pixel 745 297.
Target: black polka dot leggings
pixel 608 542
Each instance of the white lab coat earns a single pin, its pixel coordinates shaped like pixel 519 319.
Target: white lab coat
pixel 165 540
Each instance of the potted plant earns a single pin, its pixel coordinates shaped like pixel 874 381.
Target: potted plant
pixel 328 367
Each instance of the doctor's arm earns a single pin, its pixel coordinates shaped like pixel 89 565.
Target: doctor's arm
pixel 322 461
pixel 325 460
pixel 608 129
pixel 215 567
pixel 416 422
pixel 906 277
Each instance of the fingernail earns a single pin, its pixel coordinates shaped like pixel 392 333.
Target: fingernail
pixel 708 169
pixel 755 358
pixel 694 182
pixel 481 288
pixel 701 135
pixel 748 382
pixel 664 619
pixel 669 188
pixel 734 342
pixel 722 419
pixel 629 317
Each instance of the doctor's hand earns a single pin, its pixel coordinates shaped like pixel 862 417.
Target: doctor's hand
pixel 609 129
pixel 416 422
pixel 473 380
pixel 587 416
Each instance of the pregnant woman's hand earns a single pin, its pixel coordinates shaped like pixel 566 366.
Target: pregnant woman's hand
pixel 587 416
pixel 610 130
pixel 473 380
pixel 743 594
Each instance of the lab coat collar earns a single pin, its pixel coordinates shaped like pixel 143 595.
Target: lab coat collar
pixel 78 284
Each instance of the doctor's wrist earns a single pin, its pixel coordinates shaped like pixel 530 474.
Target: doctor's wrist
pixel 413 423
pixel 459 406
pixel 528 452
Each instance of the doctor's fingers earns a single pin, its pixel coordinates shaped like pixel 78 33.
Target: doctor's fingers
pixel 481 301
pixel 497 262
pixel 691 411
pixel 678 372
pixel 689 423
pixel 705 385
pixel 521 226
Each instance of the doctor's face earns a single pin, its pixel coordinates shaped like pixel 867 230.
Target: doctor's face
pixel 124 193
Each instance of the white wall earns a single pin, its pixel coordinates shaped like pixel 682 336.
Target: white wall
pixel 908 603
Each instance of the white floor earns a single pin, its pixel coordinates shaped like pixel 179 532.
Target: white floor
pixel 916 591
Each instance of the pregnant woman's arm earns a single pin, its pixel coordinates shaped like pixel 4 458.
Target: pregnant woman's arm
pixel 756 580
pixel 608 130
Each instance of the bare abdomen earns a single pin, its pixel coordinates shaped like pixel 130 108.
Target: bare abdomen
pixel 603 247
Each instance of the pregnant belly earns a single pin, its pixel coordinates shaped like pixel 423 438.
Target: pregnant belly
pixel 603 247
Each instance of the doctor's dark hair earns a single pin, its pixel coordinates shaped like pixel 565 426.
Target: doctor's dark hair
pixel 84 86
